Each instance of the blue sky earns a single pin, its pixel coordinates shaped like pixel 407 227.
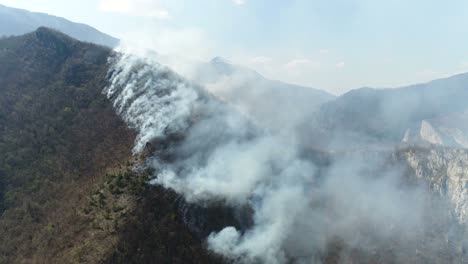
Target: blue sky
pixel 335 45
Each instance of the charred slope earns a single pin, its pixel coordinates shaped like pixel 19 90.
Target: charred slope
pixel 68 191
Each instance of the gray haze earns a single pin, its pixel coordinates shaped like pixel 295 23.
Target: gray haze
pixel 445 130
pixel 15 21
pixel 209 152
pixel 259 97
pixel 382 116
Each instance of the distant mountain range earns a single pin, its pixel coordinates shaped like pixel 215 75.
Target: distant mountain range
pixel 259 96
pixel 14 22
pixel 241 86
pixel 384 115
pixel 361 117
pixel 68 176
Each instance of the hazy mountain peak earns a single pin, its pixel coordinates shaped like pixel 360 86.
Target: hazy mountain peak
pixel 220 60
pixel 222 66
pixel 15 22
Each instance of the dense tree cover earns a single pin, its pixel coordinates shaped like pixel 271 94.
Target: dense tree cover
pixel 67 191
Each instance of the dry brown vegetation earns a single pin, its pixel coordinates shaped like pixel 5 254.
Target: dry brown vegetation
pixel 67 190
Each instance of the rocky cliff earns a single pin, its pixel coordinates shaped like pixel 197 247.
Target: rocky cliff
pixel 446 170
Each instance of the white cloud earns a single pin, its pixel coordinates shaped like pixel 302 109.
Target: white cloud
pixel 340 65
pixel 324 51
pixel 145 8
pixel 302 64
pixel 239 2
pixel 178 44
pixel 261 60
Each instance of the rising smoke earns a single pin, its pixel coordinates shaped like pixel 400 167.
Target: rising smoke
pixel 300 207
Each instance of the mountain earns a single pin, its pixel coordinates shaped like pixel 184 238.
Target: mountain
pixel 68 189
pixel 14 22
pixel 274 104
pixel 446 130
pixel 352 206
pixel 384 115
pixel 113 158
pixel 445 171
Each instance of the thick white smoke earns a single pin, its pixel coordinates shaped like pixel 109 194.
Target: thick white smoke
pixel 150 97
pixel 298 208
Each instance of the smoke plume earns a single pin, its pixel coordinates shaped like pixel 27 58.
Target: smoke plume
pixel 301 206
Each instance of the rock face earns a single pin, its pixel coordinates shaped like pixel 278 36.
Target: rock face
pixel 449 130
pixel 365 116
pixel 429 134
pixel 446 170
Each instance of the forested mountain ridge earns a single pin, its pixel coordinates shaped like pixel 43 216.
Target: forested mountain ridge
pixel 68 191
pixel 72 192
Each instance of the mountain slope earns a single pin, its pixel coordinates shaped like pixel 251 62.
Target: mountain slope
pixel 14 22
pixel 293 204
pixel 447 130
pixel 69 193
pixel 445 170
pixel 383 115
